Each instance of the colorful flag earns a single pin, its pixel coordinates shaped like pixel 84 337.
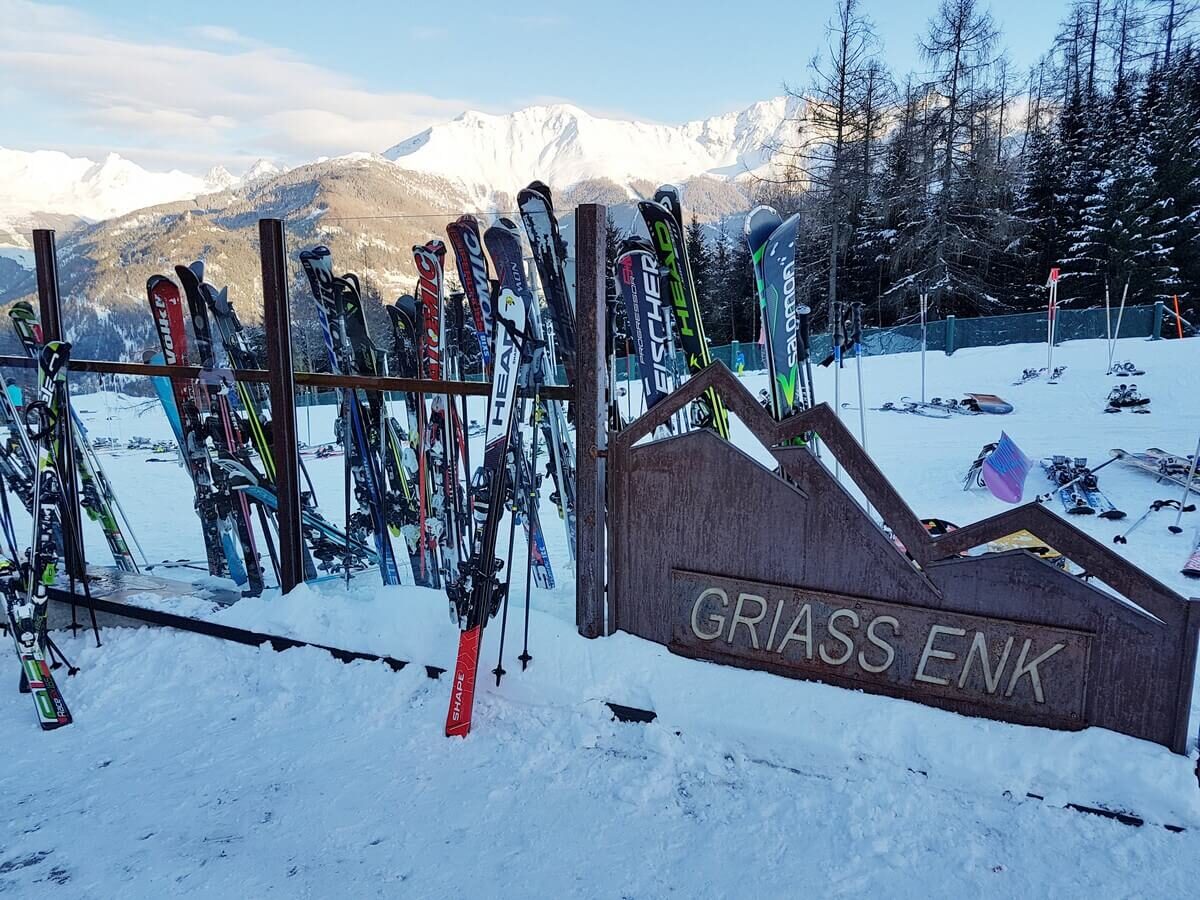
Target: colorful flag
pixel 1005 470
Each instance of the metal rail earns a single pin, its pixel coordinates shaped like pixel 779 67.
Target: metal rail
pixel 312 379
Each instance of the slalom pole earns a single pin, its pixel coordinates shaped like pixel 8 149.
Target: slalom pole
pixel 856 336
pixel 1117 334
pixel 1108 328
pixel 1187 486
pixel 1049 328
pixel 1051 309
pixel 1178 318
pixel 924 323
pixel 839 335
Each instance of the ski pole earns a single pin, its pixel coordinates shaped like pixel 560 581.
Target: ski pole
pixel 1042 498
pixel 1154 507
pixel 1049 327
pixel 838 336
pixel 1117 334
pixel 1108 328
pixel 804 335
pixel 924 308
pixel 1187 486
pixel 533 499
pixel 856 336
pixel 499 671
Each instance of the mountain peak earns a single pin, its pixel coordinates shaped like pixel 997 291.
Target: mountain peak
pixel 219 179
pixel 565 145
pixel 262 169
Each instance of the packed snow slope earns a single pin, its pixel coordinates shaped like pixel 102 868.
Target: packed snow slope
pixel 202 768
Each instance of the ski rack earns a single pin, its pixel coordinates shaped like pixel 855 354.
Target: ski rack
pixel 586 395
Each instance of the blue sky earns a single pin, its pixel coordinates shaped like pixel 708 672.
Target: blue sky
pixel 194 84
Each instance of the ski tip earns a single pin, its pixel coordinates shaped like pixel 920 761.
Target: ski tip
pixel 540 188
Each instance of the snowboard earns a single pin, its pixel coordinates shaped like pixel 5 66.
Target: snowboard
pixel 989 403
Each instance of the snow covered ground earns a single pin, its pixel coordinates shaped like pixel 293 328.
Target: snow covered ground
pixel 202 768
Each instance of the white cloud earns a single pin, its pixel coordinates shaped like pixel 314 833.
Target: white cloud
pixel 230 98
pixel 222 35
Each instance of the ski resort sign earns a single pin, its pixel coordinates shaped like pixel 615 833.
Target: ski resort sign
pixel 1014 670
pixel 781 569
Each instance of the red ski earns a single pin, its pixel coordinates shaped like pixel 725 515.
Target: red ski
pixel 476 594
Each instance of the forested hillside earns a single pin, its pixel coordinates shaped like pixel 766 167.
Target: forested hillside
pixel 971 180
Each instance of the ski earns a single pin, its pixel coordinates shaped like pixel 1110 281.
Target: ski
pixel 503 241
pixel 1162 465
pixel 641 289
pixel 214 421
pixel 166 307
pixel 937 403
pixel 549 256
pixel 328 542
pixel 526 493
pixel 1060 471
pixel 27 609
pixel 440 442
pixel 1079 491
pixel 477 593
pixel 327 295
pixel 777 262
pixel 916 409
pixel 406 439
pixel 671 252
pixel 96 495
pixel 473 275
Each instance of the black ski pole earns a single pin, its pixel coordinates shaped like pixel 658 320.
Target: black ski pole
pixel 1154 507
pixel 346 482
pixel 76 521
pixel 1187 486
pixel 512 531
pixel 533 519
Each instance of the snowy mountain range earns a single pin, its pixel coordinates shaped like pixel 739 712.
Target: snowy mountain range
pixel 119 223
pixel 486 155
pixel 50 182
pixel 563 146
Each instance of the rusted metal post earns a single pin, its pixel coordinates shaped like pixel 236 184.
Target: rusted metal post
pixel 45 257
pixel 277 323
pixel 591 419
